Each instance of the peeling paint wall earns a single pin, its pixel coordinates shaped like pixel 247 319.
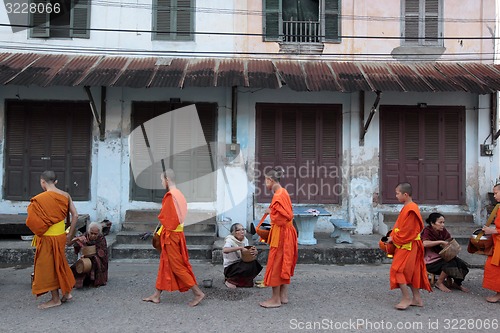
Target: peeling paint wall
pixel 110 174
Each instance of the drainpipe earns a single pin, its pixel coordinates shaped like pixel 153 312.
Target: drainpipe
pixel 234 114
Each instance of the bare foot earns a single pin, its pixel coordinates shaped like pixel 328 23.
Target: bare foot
pixel 460 287
pixel 493 299
pixel 230 285
pixel 403 305
pixel 270 304
pixel 66 298
pixel 49 304
pixel 197 299
pixel 284 300
pixel 442 287
pixel 152 299
pixel 418 303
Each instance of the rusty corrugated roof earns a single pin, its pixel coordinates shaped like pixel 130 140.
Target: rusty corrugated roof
pixel 299 75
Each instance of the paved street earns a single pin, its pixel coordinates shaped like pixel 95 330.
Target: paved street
pixel 352 298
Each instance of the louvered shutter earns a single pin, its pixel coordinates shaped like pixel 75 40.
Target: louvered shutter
pixel 431 22
pixel 430 164
pixel 307 151
pixel 425 148
pixel 390 153
pixel 304 140
pixel 189 164
pixel 184 20
pixel 40 21
pixel 65 148
pixel 328 172
pixel 266 148
pixel 332 20
pixel 15 153
pixel 273 22
pixel 80 19
pixel 453 152
pixel 162 18
pixel 411 24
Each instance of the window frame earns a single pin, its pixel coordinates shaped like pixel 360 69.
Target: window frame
pixel 277 8
pixel 81 10
pixel 173 20
pixel 422 40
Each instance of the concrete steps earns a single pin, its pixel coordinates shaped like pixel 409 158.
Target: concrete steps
pixel 200 230
pixel 146 251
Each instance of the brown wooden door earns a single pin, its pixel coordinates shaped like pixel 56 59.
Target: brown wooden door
pixel 190 165
pixel 425 147
pixel 305 140
pixel 47 136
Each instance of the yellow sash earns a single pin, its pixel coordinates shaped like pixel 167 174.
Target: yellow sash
pixel 274 234
pixel 180 228
pixel 54 230
pixel 406 246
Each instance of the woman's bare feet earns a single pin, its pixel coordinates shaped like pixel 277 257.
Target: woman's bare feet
pixel 198 296
pixel 460 287
pixel 230 285
pixel 442 287
pixel 50 304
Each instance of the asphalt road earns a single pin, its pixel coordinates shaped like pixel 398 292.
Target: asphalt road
pixel 354 298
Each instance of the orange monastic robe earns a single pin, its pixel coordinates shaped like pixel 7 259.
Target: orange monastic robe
pixel 491 279
pixel 408 266
pixel 175 271
pixel 51 266
pixel 283 253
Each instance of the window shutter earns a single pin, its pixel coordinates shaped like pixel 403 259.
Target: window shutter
pixel 431 22
pixel 273 27
pixel 80 19
pixel 411 21
pixel 40 22
pixel 162 19
pixel 184 22
pixel 332 20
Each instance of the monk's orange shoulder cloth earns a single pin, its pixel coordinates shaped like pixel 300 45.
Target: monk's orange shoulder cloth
pixel 46 209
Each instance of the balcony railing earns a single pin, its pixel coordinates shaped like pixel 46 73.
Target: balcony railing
pixel 301 32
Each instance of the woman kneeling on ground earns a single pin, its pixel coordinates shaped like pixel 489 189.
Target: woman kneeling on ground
pixel 238 273
pixel 435 237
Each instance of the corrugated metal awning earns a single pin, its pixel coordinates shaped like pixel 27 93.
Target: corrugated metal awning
pixel 76 70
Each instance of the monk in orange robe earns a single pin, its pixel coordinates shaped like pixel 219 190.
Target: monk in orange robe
pixel 491 278
pixel 283 252
pixel 46 219
pixel 175 271
pixel 408 266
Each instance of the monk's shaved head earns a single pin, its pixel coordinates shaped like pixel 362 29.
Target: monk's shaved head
pixel 405 188
pixel 49 176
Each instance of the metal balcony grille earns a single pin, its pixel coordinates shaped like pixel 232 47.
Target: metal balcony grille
pixel 301 32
